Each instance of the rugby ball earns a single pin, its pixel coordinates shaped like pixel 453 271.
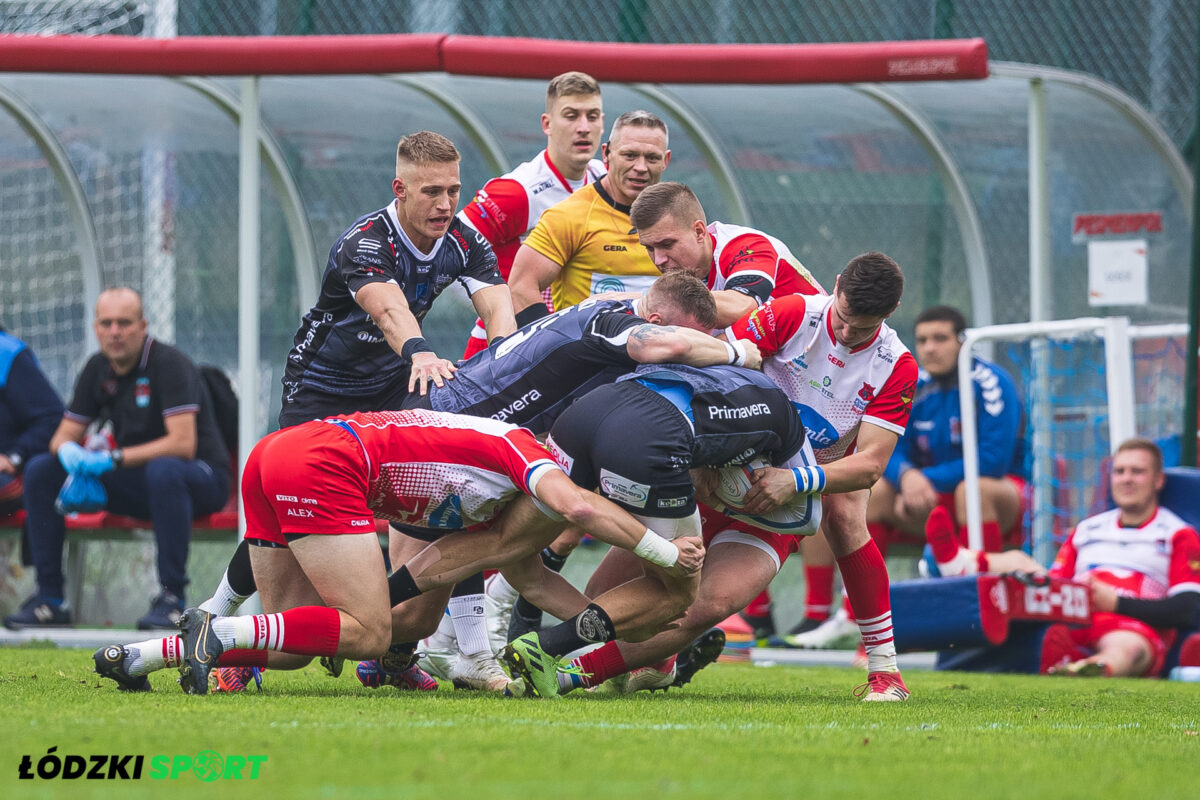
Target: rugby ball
pixel 733 482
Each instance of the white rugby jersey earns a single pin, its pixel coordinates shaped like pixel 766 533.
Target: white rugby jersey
pixel 1158 558
pixel 834 388
pixel 507 207
pixel 439 470
pixel 745 254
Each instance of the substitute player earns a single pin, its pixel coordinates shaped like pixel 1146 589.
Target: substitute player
pixel 311 495
pixel 507 208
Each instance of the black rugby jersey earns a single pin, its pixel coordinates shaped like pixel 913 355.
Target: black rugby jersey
pixel 339 348
pixel 737 414
pixel 528 378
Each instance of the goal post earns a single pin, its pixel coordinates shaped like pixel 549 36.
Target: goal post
pixel 1088 384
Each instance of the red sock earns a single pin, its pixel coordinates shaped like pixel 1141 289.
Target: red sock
pixel 306 631
pixel 939 532
pixel 601 664
pixel 865 577
pixel 881 534
pixel 242 657
pixel 993 539
pixel 760 606
pixel 818 592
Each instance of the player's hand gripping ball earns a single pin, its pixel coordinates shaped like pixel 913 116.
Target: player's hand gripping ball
pixel 733 482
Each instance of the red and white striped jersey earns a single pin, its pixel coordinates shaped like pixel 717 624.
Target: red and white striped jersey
pixel 747 256
pixel 834 388
pixel 440 470
pixel 1158 558
pixel 507 207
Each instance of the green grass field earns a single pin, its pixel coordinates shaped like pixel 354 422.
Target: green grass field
pixel 736 731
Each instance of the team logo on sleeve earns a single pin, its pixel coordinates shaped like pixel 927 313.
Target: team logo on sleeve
pixel 819 430
pixel 755 325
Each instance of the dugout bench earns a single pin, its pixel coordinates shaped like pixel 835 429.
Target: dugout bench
pixel 995 623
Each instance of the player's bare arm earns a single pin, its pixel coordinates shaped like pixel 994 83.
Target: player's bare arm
pixel 68 430
pixel 657 344
pixel 386 304
pixel 606 521
pixel 531 273
pixel 179 441
pixel 732 306
pixel 495 307
pixel 545 588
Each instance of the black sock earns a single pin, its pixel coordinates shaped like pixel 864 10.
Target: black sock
pixel 471 585
pixel 402 586
pixel 241 576
pixel 590 626
pixel 526 609
pixel 399 657
pixel 553 561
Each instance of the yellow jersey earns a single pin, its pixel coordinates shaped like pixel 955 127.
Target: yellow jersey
pixel 590 236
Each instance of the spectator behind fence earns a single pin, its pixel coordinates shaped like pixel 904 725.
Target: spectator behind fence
pixel 141 428
pixel 29 410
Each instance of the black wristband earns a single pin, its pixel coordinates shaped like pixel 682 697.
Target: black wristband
pixel 416 344
pixel 532 314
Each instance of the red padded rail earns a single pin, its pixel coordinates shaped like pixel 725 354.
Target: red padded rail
pixel 941 59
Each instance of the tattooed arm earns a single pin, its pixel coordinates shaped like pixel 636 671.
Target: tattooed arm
pixel 656 344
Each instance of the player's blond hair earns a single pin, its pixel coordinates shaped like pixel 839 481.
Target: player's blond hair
pixel 685 292
pixel 669 197
pixel 426 147
pixel 570 84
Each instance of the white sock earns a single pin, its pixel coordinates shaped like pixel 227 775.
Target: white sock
pixel 443 638
pixel 225 601
pixel 878 642
pixel 499 589
pixel 152 655
pixel 470 625
pixel 965 562
pixel 882 658
pixel 256 632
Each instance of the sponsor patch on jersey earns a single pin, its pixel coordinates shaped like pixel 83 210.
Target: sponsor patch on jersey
pixel 745 254
pixel 622 489
pixel 672 502
pixel 820 431
pixel 447 514
pixel 608 284
pixel 560 457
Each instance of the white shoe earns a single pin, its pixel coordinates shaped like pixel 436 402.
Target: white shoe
pixel 837 632
pixel 481 672
pixel 498 599
pixel 649 678
pixel 439 652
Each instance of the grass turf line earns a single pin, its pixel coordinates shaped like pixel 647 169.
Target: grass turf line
pixel 736 731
